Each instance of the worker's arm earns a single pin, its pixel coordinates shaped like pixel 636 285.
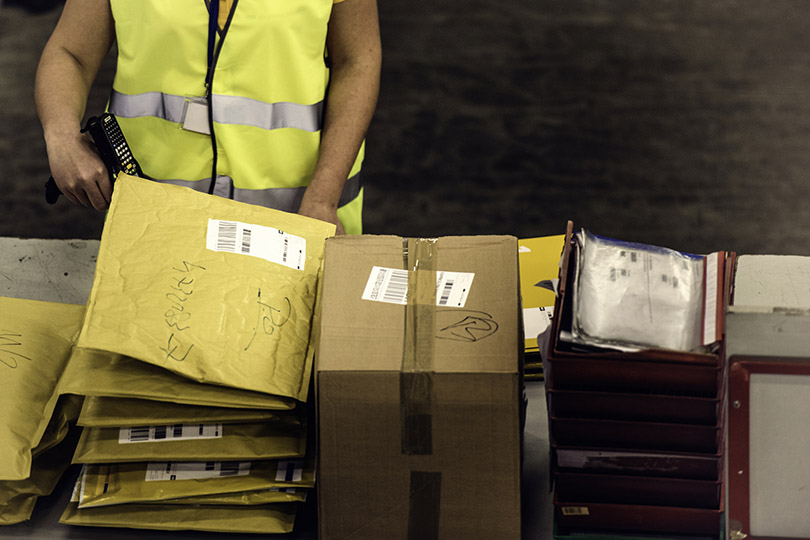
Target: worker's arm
pixel 69 64
pixel 353 42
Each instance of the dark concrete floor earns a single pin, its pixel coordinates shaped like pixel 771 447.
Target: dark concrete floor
pixel 682 123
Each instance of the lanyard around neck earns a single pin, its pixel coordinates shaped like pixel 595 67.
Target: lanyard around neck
pixel 213 24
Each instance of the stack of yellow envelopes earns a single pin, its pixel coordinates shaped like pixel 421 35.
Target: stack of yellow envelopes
pixel 35 342
pixel 195 356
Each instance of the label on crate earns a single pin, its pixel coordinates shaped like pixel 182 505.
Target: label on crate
pixel 575 511
pixel 169 470
pixel 391 285
pixel 176 432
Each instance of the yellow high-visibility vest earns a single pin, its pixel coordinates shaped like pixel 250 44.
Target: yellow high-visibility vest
pixel 267 98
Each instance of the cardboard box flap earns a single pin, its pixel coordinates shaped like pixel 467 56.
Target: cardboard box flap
pixel 476 298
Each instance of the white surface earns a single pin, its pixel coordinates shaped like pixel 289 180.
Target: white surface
pixel 772 281
pixel 779 439
pixel 49 270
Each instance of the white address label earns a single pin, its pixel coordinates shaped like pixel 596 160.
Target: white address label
pixel 174 432
pixel 266 243
pixel 194 470
pixel 391 285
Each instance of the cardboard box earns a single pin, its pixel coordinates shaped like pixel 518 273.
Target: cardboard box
pixel 419 404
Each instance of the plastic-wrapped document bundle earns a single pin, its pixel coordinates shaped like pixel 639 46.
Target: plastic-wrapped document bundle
pixel 632 296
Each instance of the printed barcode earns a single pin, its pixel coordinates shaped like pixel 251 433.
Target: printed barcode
pixel 229 468
pixel 139 434
pixel 226 236
pixel 246 240
pixel 575 511
pixel 446 292
pixel 174 432
pixel 289 471
pixel 397 287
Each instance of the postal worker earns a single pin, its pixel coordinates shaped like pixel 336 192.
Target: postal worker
pixel 263 101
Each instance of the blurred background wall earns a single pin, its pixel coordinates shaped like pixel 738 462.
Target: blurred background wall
pixel 681 123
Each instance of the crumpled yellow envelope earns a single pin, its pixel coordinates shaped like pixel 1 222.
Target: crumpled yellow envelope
pixel 123 412
pixel 212 289
pixel 247 498
pixel 35 342
pixel 263 519
pixel 195 442
pixel 18 497
pixel 124 483
pixel 99 373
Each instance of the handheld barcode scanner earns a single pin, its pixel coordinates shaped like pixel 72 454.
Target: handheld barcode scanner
pixel 112 148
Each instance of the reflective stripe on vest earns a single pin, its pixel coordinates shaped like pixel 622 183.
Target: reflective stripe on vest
pixel 226 110
pixel 278 198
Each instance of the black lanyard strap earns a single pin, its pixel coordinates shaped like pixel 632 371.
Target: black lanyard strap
pixel 213 23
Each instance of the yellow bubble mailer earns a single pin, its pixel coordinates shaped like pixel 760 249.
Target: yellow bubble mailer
pixel 190 442
pixel 126 412
pixel 99 373
pixel 18 497
pixel 247 498
pixel 210 482
pixel 212 289
pixel 35 342
pixel 262 519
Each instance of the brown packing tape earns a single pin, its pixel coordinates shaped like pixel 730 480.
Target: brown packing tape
pixel 416 387
pixel 416 379
pixel 424 503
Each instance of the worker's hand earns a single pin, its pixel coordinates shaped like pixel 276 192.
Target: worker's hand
pixel 78 170
pixel 322 211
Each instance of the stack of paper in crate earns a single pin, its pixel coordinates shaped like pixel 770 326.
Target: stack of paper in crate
pixel 539 263
pixel 195 356
pixel 635 386
pixel 36 440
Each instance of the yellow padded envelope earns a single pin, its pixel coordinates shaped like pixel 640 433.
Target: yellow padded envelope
pixel 212 289
pixel 35 342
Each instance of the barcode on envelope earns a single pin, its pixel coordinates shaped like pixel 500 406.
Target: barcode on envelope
pixel 290 471
pixel 161 471
pixel 175 432
pixel 226 236
pixel 246 241
pixel 267 243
